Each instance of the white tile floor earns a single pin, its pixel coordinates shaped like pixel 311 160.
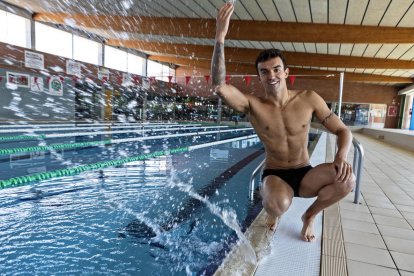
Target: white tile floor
pixel 378 234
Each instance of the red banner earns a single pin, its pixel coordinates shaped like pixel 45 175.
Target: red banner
pixel 228 79
pixel 207 78
pixel 169 79
pixel 292 79
pixel 247 79
pixel 135 79
pixel 187 79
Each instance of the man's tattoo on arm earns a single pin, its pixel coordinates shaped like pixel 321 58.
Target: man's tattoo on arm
pixel 218 66
pixel 327 118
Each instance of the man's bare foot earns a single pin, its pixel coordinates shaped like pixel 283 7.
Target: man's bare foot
pixel 271 222
pixel 307 229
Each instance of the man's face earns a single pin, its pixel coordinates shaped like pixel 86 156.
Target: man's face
pixel 272 74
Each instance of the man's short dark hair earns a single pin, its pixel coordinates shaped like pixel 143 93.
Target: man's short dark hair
pixel 269 54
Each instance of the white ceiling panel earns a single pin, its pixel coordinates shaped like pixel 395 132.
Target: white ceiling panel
pixel 182 10
pixel 371 50
pixel 321 48
pixel 375 12
pixel 319 10
pixel 358 50
pixel 407 20
pixel 241 12
pixel 398 73
pixel 378 71
pixel 333 48
pixel 409 55
pixel 337 11
pixel 302 11
pixel 369 71
pixel 310 47
pixel 408 74
pixel 385 50
pixel 209 8
pixel 346 49
pixel 299 47
pixel 180 6
pixel 288 46
pixel 253 9
pixel 399 51
pixel 395 12
pixel 277 45
pixel 355 13
pixel 285 10
pixel 359 70
pixel 269 9
pixel 266 45
pixel 350 70
pixel 388 72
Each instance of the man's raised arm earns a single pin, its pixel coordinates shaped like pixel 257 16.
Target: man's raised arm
pixel 230 94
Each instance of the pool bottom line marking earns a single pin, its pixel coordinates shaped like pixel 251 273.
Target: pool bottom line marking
pixel 23 180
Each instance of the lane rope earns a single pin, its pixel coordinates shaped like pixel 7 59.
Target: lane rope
pixel 24 180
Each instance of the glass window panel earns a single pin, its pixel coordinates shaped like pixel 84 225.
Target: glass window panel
pixel 3 22
pixel 15 29
pixel 154 69
pixel 135 64
pixel 53 41
pixel 115 59
pixel 86 50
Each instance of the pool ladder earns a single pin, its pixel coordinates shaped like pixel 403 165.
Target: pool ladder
pixel 357 167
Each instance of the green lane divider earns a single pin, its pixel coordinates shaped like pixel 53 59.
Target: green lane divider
pixel 23 180
pixel 22 137
pixel 54 147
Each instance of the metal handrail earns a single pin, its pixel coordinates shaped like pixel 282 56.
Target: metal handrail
pixel 357 167
pixel 252 177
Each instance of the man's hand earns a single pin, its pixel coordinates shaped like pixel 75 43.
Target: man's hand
pixel 343 169
pixel 222 21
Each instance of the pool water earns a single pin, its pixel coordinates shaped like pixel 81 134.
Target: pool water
pixel 131 219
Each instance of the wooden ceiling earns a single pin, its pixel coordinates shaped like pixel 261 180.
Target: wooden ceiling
pixel 371 41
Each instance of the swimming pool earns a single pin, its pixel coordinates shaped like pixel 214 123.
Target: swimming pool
pixel 136 218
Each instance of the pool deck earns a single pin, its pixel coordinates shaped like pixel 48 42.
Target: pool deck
pixel 375 237
pixel 378 234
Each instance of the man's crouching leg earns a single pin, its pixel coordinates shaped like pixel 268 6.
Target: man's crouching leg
pixel 276 198
pixel 326 196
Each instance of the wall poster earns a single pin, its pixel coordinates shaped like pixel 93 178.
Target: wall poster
pixel 36 84
pixel 18 79
pixel 34 60
pixel 55 86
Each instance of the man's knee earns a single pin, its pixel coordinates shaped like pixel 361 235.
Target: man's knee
pixel 347 186
pixel 276 206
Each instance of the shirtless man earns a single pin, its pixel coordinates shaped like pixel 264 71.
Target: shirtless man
pixel 282 119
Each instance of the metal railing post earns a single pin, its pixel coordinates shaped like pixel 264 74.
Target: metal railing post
pixel 252 177
pixel 357 167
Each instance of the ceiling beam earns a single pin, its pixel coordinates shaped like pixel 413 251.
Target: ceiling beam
pixel 238 29
pixel 248 69
pixel 249 55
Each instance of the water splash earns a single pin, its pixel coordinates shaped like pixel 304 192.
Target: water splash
pixel 228 216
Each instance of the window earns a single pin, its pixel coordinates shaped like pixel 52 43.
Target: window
pixel 14 29
pixel 115 59
pixel 86 50
pixel 135 64
pixel 159 71
pixel 53 41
